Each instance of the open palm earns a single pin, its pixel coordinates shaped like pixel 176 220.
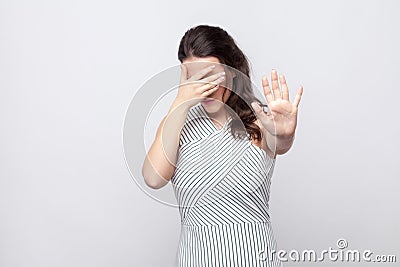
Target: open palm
pixel 281 118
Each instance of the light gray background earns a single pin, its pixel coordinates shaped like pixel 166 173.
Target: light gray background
pixel 68 70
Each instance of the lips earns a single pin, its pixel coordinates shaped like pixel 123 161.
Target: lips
pixel 207 101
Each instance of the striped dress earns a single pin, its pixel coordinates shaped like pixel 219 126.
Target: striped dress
pixel 222 188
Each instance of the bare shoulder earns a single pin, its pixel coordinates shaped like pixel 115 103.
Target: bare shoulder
pixel 263 143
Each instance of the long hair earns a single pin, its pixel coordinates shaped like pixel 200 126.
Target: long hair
pixel 205 41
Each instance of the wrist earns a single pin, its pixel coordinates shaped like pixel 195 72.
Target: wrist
pixel 288 137
pixel 179 105
pixel 283 137
pixel 284 142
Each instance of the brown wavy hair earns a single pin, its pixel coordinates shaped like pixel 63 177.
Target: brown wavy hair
pixel 206 41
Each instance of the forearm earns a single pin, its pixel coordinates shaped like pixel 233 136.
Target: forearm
pixel 160 161
pixel 279 144
pixel 284 144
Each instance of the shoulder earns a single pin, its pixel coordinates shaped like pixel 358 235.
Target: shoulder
pixel 195 126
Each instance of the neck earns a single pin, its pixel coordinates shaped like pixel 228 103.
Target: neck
pixel 220 117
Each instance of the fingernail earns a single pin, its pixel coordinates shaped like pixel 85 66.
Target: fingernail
pixel 212 66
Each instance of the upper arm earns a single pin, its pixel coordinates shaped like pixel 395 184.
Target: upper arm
pixel 157 168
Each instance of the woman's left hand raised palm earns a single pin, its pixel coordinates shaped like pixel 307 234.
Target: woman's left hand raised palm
pixel 281 118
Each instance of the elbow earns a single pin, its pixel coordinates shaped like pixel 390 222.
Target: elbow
pixel 153 181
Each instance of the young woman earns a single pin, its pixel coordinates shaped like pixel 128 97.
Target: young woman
pixel 218 147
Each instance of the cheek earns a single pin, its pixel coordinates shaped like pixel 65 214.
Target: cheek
pixel 218 94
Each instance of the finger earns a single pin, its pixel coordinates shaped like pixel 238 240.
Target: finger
pixel 266 119
pixel 275 85
pixel 210 80
pixel 267 90
pixel 209 85
pixel 183 73
pixel 285 90
pixel 201 73
pixel 258 110
pixel 213 77
pixel 297 99
pixel 210 91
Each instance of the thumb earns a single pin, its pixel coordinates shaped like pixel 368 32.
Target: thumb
pixel 257 108
pixel 183 73
pixel 260 114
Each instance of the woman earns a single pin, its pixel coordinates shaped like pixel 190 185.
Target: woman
pixel 219 153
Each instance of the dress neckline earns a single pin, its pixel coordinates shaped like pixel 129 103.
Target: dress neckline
pixel 208 118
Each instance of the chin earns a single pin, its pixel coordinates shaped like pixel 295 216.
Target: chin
pixel 213 106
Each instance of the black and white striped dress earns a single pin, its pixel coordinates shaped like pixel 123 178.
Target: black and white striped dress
pixel 222 187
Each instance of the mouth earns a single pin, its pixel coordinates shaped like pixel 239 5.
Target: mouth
pixel 207 101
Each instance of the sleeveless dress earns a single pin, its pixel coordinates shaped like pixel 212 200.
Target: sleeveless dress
pixel 222 189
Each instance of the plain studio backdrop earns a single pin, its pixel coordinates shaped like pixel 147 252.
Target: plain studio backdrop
pixel 69 69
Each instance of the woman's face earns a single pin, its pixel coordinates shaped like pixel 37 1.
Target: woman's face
pixel 215 102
